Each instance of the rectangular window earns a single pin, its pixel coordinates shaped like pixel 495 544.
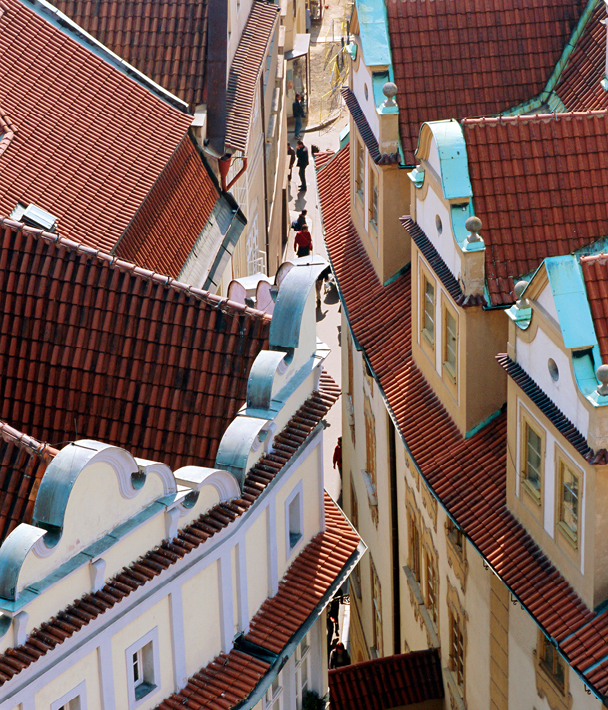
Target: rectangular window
pixel 373 198
pixel 294 517
pixel 414 556
pixel 376 608
pixel 450 337
pixel 428 313
pixel 569 501
pixel 455 535
pixel 432 583
pixel 76 699
pixel 532 460
pixel 456 650
pixel 370 442
pixel 354 519
pixel 274 695
pixel 360 170
pixel 302 671
pixel 552 663
pixel 143 668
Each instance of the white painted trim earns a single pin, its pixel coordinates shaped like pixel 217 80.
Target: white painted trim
pixel 242 590
pixel 80 691
pixel 178 637
pixel 271 543
pixel 297 492
pixel 226 600
pixel 106 673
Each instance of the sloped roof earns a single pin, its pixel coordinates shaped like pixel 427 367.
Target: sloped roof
pixel 165 39
pixel 389 682
pixel 123 355
pixel 468 475
pixel 23 461
pixel 579 87
pixel 69 621
pixel 301 592
pixel 540 188
pixel 166 227
pixel 457 58
pixel 595 273
pixel 90 167
pixel 245 71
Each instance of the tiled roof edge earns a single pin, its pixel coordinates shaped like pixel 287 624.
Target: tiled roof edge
pixel 114 262
pixel 601 258
pixel 361 122
pixel 23 441
pixel 71 619
pixel 545 404
pixel 439 266
pixel 533 118
pixel 67 26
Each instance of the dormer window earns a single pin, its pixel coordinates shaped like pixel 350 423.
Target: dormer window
pixel 34 216
pixel 532 461
pixel 569 498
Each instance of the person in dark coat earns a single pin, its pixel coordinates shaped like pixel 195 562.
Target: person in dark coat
pixel 298 114
pixel 298 223
pixel 292 159
pixel 302 157
pixel 339 656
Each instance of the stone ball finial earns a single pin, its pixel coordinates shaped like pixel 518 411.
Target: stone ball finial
pixel 602 376
pixel 390 91
pixel 520 287
pixel 473 224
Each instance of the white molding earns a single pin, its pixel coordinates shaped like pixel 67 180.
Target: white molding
pixel 226 600
pixel 150 637
pixel 178 638
pixel 297 492
pixel 98 570
pixel 106 673
pixel 80 691
pixel 271 547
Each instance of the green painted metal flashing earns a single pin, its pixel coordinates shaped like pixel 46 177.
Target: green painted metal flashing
pixel 485 422
pixel 598 247
pixel 352 50
pixel 373 28
pixel 458 217
pixel 585 366
pixel 604 83
pixel 344 136
pixel 532 105
pixel 520 316
pixel 454 164
pixel 403 270
pixel 417 176
pixel 570 296
pixel 379 79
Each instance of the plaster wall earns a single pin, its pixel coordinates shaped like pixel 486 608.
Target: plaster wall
pixel 238 15
pixel 361 77
pixel 533 356
pixel 201 604
pixel 85 667
pixel 547 301
pixel 158 616
pixel 258 582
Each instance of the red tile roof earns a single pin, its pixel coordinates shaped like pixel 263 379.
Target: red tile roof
pixel 457 58
pixel 23 461
pixel 301 592
pixel 126 356
pixel 89 168
pixel 595 273
pixel 165 40
pixel 166 227
pixel 91 606
pixel 579 87
pixel 389 682
pixel 467 474
pixel 540 188
pixel 245 71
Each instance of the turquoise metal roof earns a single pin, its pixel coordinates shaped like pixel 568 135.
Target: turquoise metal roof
pixel 373 28
pixel 570 296
pixel 452 158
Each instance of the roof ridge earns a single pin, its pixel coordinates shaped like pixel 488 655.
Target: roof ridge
pixel 221 302
pixel 24 441
pixel 91 605
pixel 601 258
pixel 532 118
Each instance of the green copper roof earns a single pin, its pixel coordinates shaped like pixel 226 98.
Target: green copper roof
pixel 453 159
pixel 373 29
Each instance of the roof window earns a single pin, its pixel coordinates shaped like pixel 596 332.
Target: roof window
pixel 34 216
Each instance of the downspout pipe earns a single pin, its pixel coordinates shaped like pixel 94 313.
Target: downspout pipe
pixel 224 166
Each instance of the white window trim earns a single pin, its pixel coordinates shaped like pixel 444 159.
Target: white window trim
pixel 80 691
pixel 297 490
pixel 151 636
pixel 269 700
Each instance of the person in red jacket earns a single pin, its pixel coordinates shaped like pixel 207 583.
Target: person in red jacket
pixel 303 242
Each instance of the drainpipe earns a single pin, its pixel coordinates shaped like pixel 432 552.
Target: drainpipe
pixel 224 166
pixel 262 107
pixel 392 462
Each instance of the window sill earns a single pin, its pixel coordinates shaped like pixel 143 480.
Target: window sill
pixel 449 372
pixel 455 691
pixel 143 689
pixel 571 537
pixel 534 493
pixel 430 340
pixel 370 487
pixel 294 538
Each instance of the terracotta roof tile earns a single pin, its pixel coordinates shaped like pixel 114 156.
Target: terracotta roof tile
pixel 90 606
pixel 389 682
pixel 531 199
pixel 595 273
pixel 125 355
pixel 467 474
pixel 245 70
pixel 165 40
pixel 492 57
pixel 91 169
pixel 159 237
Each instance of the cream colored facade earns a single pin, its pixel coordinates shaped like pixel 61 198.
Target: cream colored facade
pixel 423 583
pixel 99 509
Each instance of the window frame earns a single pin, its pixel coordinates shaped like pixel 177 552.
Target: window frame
pixel 302 661
pixel 359 170
pixel 376 599
pixel 374 192
pixel 427 339
pixel 78 693
pixel 292 539
pixel 450 370
pixel 270 697
pixel 527 423
pixel 354 519
pixel 563 462
pixel 150 683
pixel 414 545
pixel 431 586
pixel 457 649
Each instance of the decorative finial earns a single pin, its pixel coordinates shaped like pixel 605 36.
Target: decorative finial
pixel 390 91
pixel 520 287
pixel 602 376
pixel 473 224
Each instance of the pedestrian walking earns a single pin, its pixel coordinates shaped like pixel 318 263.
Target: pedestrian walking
pixel 298 114
pixel 302 158
pixel 339 656
pixel 302 244
pixel 292 159
pixel 298 223
pixel 338 456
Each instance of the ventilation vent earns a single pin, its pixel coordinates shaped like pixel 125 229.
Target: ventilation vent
pixel 34 217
